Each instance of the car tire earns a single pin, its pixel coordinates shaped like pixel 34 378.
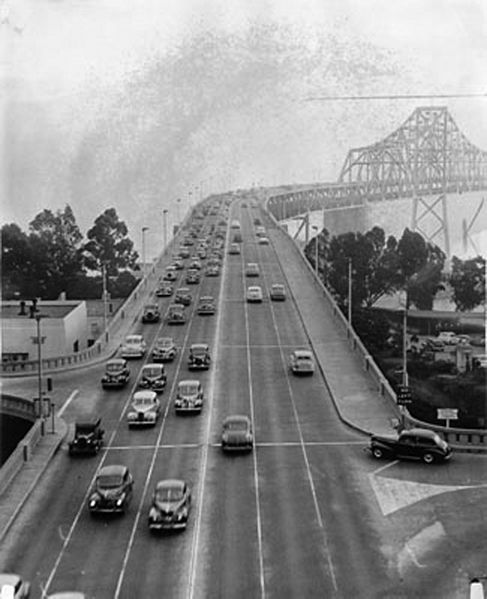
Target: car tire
pixel 378 453
pixel 428 458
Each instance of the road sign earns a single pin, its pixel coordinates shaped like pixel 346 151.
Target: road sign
pixel 403 395
pixel 447 414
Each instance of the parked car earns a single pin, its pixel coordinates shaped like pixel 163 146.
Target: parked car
pixel 88 437
pixel 144 410
pixel 164 350
pixel 171 504
pixel 13 586
pixel 206 305
pixel 165 289
pixel 189 397
pixel 448 337
pixel 134 346
pixel 252 269
pixel 151 313
pixel 117 373
pixel 254 294
pixel 199 356
pixel 153 376
pixel 415 443
pixel 112 491
pixel 277 292
pixel 175 314
pixel 192 277
pixel 301 361
pixel 237 434
pixel 183 296
pixel 234 249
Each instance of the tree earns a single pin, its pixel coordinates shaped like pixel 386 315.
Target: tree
pixel 108 245
pixel 467 280
pixel 17 263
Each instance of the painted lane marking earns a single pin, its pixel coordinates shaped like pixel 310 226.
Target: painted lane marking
pixel 217 444
pixel 60 412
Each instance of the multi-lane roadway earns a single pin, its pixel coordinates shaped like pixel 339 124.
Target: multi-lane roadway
pixel 306 514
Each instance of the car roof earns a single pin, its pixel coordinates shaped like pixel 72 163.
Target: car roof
pixel 134 337
pixel 119 361
pixel 252 264
pixel 165 340
pixel 199 346
pixel 170 483
pixel 421 432
pixel 86 422
pixel 152 365
pixel 113 469
pixel 254 288
pixel 67 595
pixel 207 298
pixel 184 289
pixel 277 286
pixel 145 394
pixel 189 382
pixel 236 418
pixel 303 353
pixel 7 578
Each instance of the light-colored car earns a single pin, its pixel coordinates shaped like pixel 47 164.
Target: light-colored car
pixel 189 397
pixel 134 346
pixel 164 350
pixel 302 361
pixel 263 240
pixel 234 249
pixel 237 433
pixel 153 376
pixel 68 595
pixel 171 504
pixel 252 269
pixel 13 587
pixel 206 305
pixel 448 337
pixel 277 292
pixel 145 409
pixel 254 294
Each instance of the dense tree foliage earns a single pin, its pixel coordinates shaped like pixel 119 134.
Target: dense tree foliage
pixel 467 280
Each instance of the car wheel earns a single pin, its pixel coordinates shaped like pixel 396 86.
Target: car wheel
pixel 428 458
pixel 378 453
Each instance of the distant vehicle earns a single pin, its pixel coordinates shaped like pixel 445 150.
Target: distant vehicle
pixel 175 314
pixel 235 224
pixel 448 337
pixel 151 313
pixel 252 269
pixel 144 410
pixel 134 346
pixel 199 356
pixel 260 231
pixel 67 595
pixel 237 434
pixel 212 270
pixel 480 360
pixel 153 376
pixel 164 350
pixel 206 305
pixel 178 264
pixel 195 264
pixel 184 252
pixel 117 373
pixel 183 296
pixel 277 292
pixel 237 237
pixel 234 249
pixel 254 294
pixel 263 240
pixel 416 444
pixel 170 274
pixel 112 491
pixel 189 396
pixel 301 361
pixel 166 289
pixel 12 586
pixel 192 277
pixel 88 437
pixel 171 504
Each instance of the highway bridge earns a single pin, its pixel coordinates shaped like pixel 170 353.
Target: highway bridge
pixel 307 514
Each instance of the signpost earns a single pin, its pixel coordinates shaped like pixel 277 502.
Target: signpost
pixel 404 396
pixel 447 414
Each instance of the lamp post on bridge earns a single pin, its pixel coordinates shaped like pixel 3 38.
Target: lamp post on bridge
pixel 315 228
pixel 164 218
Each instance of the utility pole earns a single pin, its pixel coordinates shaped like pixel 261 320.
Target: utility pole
pixel 144 229
pixel 164 218
pixel 350 291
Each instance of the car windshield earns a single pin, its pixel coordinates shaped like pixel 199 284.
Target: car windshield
pixel 114 367
pixel 109 481
pixel 304 358
pixel 169 494
pixel 188 389
pixel 133 341
pixel 84 429
pixel 151 307
pixel 143 401
pixel 164 342
pixel 236 425
pixel 151 371
pixel 199 351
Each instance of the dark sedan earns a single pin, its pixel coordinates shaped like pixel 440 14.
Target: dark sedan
pixel 412 444
pixel 171 504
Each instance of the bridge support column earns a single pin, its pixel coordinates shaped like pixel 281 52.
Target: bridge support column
pixel 430 219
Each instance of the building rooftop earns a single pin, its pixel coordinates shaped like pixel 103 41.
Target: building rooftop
pixel 54 309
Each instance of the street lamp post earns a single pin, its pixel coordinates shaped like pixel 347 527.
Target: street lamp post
pixel 178 203
pixel 164 217
pixel 144 230
pixel 105 297
pixel 39 360
pixel 315 228
pixel 349 291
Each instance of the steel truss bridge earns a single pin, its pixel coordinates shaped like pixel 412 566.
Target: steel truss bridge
pixel 425 159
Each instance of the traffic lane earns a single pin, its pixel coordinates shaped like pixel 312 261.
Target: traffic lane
pixel 158 563
pixel 261 330
pixel 92 551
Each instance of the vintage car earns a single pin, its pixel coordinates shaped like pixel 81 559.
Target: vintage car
pixel 175 314
pixel 183 296
pixel 260 231
pixel 195 264
pixel 165 289
pixel 12 586
pixel 301 361
pixel 117 373
pixel 199 356
pixel 234 249
pixel 112 491
pixel 153 376
pixel 183 252
pixel 206 305
pixel 178 264
pixel 192 277
pixel 212 270
pixel 145 409
pixel 133 347
pixel 151 313
pixel 254 294
pixel 262 240
pixel 237 434
pixel 88 437
pixel 171 503
pixel 189 396
pixel 277 292
pixel 252 269
pixel 164 350
pixel 414 444
pixel 170 274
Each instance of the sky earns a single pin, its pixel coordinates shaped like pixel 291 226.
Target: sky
pixel 133 104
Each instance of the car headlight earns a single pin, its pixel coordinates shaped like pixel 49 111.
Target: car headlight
pixel 93 502
pixel 119 501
